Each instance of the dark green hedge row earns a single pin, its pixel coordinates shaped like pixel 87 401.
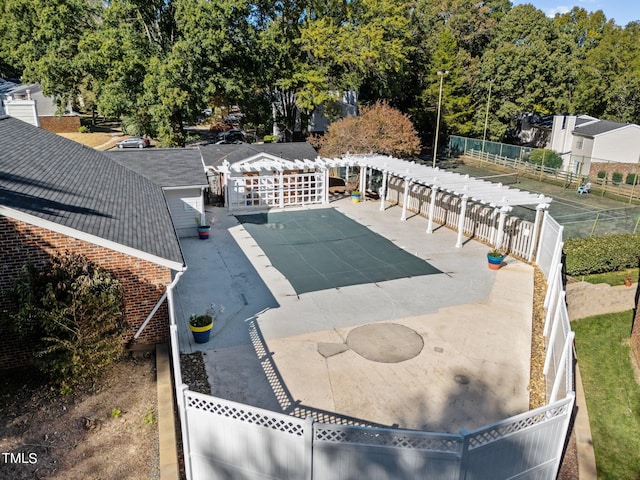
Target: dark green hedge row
pixel 610 253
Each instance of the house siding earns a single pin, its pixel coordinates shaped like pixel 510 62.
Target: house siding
pixel 622 145
pixel 185 206
pixel 143 282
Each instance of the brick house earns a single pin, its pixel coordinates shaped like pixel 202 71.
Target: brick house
pixel 57 195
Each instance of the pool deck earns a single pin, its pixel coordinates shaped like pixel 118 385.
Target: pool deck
pixel 289 353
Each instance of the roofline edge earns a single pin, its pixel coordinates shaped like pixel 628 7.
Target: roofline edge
pixel 77 234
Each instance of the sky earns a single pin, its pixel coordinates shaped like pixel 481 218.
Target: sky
pixel 621 11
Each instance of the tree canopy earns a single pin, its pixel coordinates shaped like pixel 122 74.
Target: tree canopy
pixel 378 129
pixel 157 64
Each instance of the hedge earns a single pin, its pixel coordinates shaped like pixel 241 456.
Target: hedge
pixel 609 253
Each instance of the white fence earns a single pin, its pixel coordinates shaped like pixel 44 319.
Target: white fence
pixel 480 223
pixel 228 440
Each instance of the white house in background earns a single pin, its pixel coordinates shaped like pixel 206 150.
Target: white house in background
pixel 581 140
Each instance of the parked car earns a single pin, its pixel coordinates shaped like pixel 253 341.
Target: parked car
pixel 133 142
pixel 230 136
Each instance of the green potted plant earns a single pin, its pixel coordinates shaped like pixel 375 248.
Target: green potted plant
pixel 495 258
pixel 203 229
pixel 202 324
pixel 356 196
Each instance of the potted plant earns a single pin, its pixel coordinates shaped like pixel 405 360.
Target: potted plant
pixel 202 324
pixel 495 258
pixel 356 196
pixel 628 280
pixel 203 229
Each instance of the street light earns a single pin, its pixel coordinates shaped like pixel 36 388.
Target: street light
pixel 435 145
pixel 486 117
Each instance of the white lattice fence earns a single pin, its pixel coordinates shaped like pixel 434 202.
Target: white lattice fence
pixel 525 446
pixel 236 441
pixel 276 190
pixel 341 451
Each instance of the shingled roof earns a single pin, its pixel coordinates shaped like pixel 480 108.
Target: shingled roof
pixel 167 167
pixel 214 155
pixel 597 128
pixel 57 180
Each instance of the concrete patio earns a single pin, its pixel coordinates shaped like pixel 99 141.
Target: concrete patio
pixel 296 353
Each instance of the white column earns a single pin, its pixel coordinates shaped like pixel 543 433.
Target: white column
pixel 281 189
pixel 463 213
pixel 534 234
pixel 383 190
pixel 346 180
pixel 405 199
pixel 326 186
pixel 363 183
pixel 432 208
pixel 503 214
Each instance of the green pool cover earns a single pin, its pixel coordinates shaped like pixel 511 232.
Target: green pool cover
pixel 322 249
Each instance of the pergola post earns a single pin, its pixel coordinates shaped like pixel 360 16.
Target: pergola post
pixel 432 208
pixel 363 183
pixel 405 199
pixel 346 180
pixel 383 190
pixel 500 236
pixel 325 192
pixel 281 189
pixel 463 213
pixel 534 234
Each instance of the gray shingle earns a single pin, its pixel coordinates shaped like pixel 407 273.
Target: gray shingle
pixel 167 167
pixel 50 177
pixel 214 155
pixel 596 128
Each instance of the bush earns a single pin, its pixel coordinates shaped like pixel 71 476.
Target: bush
pixel 602 174
pixel 270 139
pixel 83 129
pixel 71 312
pixel 616 177
pixel 609 253
pixel 632 179
pixel 548 158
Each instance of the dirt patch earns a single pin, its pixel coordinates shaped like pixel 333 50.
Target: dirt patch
pixel 92 140
pixel 105 431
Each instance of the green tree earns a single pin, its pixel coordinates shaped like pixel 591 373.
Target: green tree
pixel 546 158
pixel 71 311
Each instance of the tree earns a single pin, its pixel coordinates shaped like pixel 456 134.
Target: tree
pixel 379 129
pixel 71 311
pixel 546 158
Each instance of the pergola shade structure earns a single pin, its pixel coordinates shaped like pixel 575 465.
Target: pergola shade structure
pixel 268 181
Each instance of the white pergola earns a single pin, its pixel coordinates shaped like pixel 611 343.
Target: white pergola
pixel 496 195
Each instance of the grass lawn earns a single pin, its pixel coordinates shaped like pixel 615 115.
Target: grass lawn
pixel 612 278
pixel 612 393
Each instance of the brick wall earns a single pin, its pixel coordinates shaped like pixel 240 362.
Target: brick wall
pixel 143 282
pixel 65 124
pixel 612 167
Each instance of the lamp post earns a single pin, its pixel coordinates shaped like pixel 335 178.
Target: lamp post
pixel 435 144
pixel 486 117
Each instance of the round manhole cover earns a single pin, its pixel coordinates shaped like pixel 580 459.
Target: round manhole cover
pixel 274 225
pixel 385 342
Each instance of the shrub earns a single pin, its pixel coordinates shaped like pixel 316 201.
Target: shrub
pixel 616 177
pixel 270 139
pixel 602 174
pixel 83 129
pixel 71 312
pixel 548 158
pixel 609 253
pixel 632 179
